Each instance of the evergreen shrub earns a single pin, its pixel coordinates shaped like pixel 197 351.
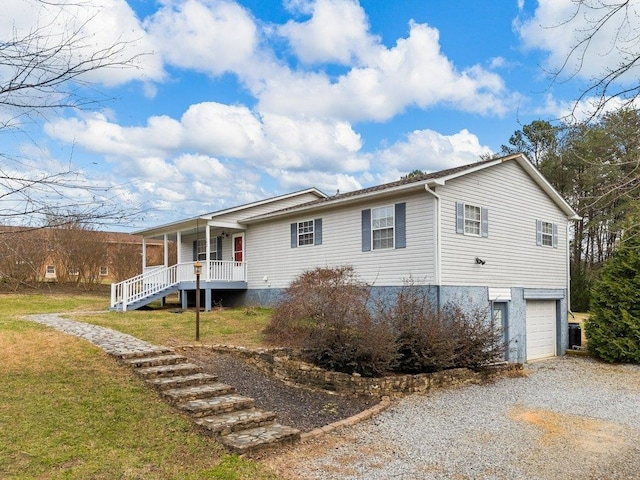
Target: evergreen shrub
pixel 613 327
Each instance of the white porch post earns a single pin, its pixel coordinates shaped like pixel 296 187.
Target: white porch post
pixel 144 253
pixel 166 250
pixel 179 246
pixel 208 254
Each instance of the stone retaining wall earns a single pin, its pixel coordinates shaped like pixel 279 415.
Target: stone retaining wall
pixel 282 364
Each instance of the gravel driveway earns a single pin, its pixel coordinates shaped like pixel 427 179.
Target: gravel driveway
pixel 567 418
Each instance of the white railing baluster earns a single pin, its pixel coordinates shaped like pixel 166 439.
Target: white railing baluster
pixel 156 279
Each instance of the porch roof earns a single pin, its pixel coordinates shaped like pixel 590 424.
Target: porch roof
pixel 190 225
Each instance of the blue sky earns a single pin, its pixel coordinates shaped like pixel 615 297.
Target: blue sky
pixel 235 101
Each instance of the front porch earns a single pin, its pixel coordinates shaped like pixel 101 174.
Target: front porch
pixel 156 283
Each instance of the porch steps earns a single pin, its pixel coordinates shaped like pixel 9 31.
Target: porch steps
pixel 214 406
pixel 147 299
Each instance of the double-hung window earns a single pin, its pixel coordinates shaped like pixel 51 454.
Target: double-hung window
pixel 306 232
pixel 382 227
pixel 546 234
pixel 472 220
pixel 215 249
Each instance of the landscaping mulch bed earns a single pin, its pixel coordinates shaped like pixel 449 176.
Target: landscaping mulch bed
pixel 299 407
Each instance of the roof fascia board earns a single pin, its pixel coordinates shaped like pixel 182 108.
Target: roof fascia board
pixel 546 186
pixel 189 222
pixel 533 172
pixel 342 201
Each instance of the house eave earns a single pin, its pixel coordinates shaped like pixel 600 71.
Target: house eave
pixel 193 223
pixel 436 181
pixel 337 202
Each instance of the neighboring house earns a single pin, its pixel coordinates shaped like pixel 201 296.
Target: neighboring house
pixel 494 235
pixel 31 255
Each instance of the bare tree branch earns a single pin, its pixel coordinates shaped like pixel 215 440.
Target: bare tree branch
pixel 45 70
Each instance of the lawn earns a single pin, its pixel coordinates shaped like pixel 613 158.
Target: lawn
pixel 228 326
pixel 69 411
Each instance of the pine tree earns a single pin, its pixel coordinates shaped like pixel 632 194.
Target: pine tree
pixel 613 329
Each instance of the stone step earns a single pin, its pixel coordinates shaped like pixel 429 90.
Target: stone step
pixel 178 369
pixel 179 381
pixel 195 392
pixel 154 361
pixel 252 439
pixel 206 407
pixel 144 353
pixel 226 423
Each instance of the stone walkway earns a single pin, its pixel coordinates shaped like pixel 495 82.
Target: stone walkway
pixel 111 341
pixel 214 406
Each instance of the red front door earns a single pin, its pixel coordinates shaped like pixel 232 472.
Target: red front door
pixel 238 248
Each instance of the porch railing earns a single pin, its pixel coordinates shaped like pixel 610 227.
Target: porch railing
pixel 156 279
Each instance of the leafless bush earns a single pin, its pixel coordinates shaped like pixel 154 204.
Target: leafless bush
pixel 327 313
pixel 430 340
pixel 324 311
pixel 316 297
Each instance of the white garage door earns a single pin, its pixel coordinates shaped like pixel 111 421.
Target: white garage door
pixel 541 329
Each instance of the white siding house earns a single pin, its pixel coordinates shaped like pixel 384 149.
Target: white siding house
pixel 490 235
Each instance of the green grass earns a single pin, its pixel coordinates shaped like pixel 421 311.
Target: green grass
pixel 229 326
pixel 69 411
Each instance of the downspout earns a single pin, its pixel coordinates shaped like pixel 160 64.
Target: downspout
pixel 438 251
pixel 569 273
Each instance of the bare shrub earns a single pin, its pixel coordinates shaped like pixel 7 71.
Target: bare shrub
pixel 316 297
pixel 324 311
pixel 352 345
pixel 479 342
pixel 430 340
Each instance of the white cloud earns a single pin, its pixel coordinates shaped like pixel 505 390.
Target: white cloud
pixel 559 25
pixel 329 183
pixel 212 36
pixel 431 151
pixel 109 27
pixel 336 32
pixel 202 166
pixel 300 143
pixel 96 133
pixel 412 73
pixel 223 130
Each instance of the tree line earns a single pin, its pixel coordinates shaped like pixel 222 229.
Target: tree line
pixel 78 253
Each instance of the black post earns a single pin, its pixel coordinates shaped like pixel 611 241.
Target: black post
pixel 197 306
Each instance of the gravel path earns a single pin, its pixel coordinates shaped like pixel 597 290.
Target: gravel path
pixel 568 418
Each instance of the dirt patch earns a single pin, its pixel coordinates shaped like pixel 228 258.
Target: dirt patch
pixel 588 435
